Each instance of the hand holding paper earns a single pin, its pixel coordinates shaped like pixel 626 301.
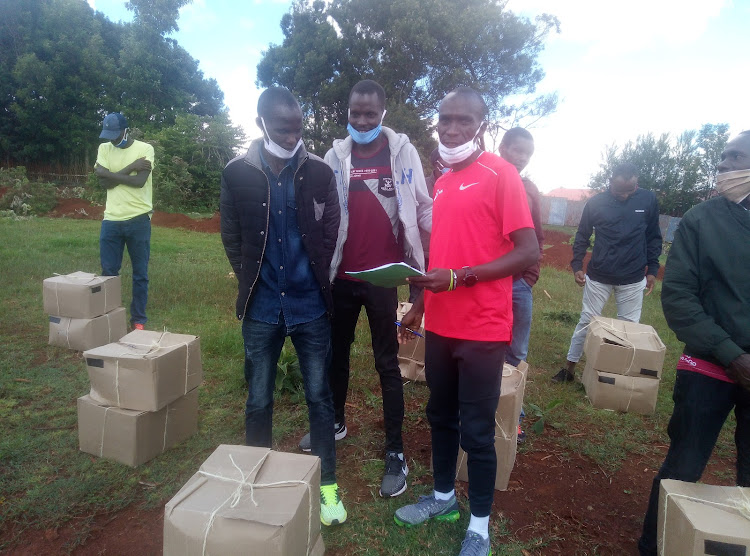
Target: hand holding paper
pixel 388 275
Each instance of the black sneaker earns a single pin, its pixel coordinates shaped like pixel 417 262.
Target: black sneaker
pixel 339 432
pixel 563 376
pixel 394 480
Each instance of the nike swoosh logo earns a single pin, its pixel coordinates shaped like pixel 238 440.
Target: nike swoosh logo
pixel 462 186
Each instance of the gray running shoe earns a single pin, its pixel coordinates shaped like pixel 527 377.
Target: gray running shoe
pixel 339 433
pixel 394 480
pixel 475 545
pixel 426 508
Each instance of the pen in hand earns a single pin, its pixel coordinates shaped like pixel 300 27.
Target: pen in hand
pixel 409 329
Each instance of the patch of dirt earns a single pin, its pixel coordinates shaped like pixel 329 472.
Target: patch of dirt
pixel 78 208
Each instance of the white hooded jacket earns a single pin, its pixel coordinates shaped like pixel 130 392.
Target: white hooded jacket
pixel 414 202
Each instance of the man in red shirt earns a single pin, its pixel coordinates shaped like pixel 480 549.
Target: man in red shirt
pixel 482 235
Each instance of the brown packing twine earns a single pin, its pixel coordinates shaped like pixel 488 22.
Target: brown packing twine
pixel 742 507
pixel 109 329
pixel 236 496
pixel 154 346
pixel 104 429
pixel 76 279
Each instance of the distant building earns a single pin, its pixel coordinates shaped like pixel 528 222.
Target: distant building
pixel 571 194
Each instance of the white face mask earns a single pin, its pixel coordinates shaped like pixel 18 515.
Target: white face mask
pixel 735 186
pixel 275 149
pixel 458 154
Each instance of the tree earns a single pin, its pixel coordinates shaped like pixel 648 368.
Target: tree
pixel 157 15
pixel 680 172
pixel 419 50
pixel 58 80
pixel 191 155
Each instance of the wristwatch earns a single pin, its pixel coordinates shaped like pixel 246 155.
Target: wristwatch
pixel 469 277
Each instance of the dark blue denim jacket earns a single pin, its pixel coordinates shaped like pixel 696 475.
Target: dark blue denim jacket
pixel 286 282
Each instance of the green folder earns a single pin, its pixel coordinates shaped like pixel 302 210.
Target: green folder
pixel 388 275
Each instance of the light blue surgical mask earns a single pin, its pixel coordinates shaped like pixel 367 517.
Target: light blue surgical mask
pixel 366 137
pixel 122 144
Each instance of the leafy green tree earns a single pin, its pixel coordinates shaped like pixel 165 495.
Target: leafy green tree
pixel 63 67
pixel 191 155
pixel 419 50
pixel 681 172
pixel 158 15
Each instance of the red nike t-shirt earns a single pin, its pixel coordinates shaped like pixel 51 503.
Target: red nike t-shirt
pixel 473 213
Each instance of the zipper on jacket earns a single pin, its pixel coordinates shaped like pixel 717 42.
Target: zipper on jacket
pixel 265 237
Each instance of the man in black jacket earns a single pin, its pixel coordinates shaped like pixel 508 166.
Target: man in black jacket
pixel 627 241
pixel 279 224
pixel 706 301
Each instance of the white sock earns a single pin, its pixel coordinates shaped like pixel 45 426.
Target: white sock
pixel 480 525
pixel 445 495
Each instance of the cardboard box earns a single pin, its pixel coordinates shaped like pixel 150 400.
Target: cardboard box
pixel 624 348
pixel 135 437
pixel 83 334
pixel 81 295
pixel 506 426
pixel 629 394
pixel 145 370
pixel 247 500
pixel 411 355
pixel 696 519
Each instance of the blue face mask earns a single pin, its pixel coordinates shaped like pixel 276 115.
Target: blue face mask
pixel 122 144
pixel 365 137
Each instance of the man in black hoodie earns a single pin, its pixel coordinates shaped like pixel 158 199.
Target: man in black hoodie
pixel 627 245
pixel 279 223
pixel 706 301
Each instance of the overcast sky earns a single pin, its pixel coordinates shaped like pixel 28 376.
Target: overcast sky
pixel 621 69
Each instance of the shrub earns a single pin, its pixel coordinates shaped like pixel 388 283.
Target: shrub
pixel 24 197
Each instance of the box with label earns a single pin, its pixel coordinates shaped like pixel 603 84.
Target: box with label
pixel 629 394
pixel 624 348
pixel 81 295
pixel 83 334
pixel 696 519
pixel 135 437
pixel 411 354
pixel 247 500
pixel 506 426
pixel 145 370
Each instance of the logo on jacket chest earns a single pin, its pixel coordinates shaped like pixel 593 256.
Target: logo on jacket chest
pixel 385 187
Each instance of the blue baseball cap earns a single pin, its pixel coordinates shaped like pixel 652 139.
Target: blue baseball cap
pixel 114 124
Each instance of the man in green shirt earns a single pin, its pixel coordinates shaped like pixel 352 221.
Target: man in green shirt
pixel 123 166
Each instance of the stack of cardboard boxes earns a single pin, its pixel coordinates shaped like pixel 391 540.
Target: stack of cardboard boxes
pixel 84 310
pixel 247 500
pixel 506 425
pixel 623 365
pixel 144 396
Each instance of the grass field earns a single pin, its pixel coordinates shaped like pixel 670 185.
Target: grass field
pixel 46 481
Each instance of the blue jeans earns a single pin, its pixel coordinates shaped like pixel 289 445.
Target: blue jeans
pixel 701 405
pixel 522 304
pixel 136 234
pixel 312 341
